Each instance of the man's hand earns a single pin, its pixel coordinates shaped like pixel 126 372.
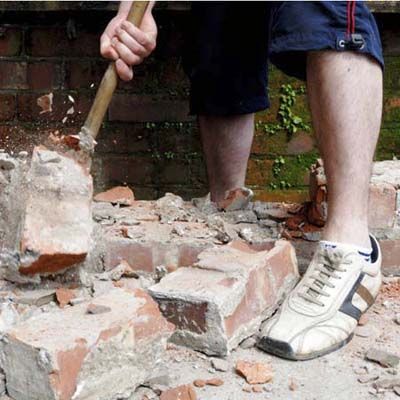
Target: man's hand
pixel 127 44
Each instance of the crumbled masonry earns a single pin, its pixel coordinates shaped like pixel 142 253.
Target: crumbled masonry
pixel 57 225
pixel 156 279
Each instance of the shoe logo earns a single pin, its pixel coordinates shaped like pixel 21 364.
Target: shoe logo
pixel 347 306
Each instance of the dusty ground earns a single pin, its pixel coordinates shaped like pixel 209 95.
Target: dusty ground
pixel 335 376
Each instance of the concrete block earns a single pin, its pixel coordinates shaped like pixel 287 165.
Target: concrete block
pixel 71 354
pixel 226 295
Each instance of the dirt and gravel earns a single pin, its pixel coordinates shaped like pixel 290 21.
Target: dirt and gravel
pixel 342 375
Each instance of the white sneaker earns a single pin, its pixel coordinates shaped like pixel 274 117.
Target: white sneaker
pixel 322 312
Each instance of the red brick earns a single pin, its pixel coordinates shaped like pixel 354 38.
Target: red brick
pixel 382 205
pixel 174 172
pixel 157 75
pixel 10 41
pixel 128 339
pixel 132 170
pixel 147 108
pixel 390 256
pixel 13 75
pixel 121 195
pixel 84 74
pixel 56 233
pixel 180 140
pixel 43 76
pixel 184 392
pixel 287 196
pixel 198 172
pixel 126 138
pixel 259 172
pixel 7 107
pixel 53 41
pixel 228 293
pixel 138 255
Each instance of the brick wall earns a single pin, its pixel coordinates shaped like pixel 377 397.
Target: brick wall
pixel 148 141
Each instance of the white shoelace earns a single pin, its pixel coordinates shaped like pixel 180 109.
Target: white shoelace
pixel 330 265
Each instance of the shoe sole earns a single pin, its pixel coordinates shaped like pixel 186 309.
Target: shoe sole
pixel 283 350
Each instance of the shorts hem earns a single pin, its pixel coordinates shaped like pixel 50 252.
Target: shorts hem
pixel 302 43
pixel 245 107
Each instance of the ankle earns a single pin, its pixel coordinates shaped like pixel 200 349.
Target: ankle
pixel 353 235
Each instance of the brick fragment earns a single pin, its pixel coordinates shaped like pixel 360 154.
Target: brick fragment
pixel 385 182
pixel 254 372
pixel 71 354
pixel 382 357
pixel 237 199
pixel 382 205
pixel 199 383
pixel 214 382
pixel 121 195
pixel 225 296
pixel 57 229
pixel 184 392
pixel 64 296
pixel 390 256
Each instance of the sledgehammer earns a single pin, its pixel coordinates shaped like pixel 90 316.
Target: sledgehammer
pixel 57 226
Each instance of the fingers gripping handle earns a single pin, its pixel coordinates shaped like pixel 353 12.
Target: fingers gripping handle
pixel 107 87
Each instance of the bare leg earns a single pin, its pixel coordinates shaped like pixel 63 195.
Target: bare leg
pixel 226 145
pixel 345 94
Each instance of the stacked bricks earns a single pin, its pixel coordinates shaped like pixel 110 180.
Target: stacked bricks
pixel 94 351
pixel 384 209
pixel 223 298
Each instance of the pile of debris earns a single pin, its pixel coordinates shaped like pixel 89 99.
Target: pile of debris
pixel 156 274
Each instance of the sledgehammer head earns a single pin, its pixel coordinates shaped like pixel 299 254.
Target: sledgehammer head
pixel 58 221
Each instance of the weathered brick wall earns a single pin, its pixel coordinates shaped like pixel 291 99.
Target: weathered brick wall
pixel 148 141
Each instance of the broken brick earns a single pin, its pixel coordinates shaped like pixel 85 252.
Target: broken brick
pixel 64 296
pixel 121 195
pixel 214 382
pixel 226 295
pixel 97 309
pixel 70 354
pixel 257 389
pixel 382 205
pixel 383 358
pixel 254 372
pixel 184 392
pixel 382 195
pixel 57 229
pixel 45 102
pixel 237 199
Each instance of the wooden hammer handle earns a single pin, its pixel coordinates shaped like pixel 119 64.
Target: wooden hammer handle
pixel 110 80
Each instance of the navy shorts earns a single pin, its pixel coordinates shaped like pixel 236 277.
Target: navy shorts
pixel 230 43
